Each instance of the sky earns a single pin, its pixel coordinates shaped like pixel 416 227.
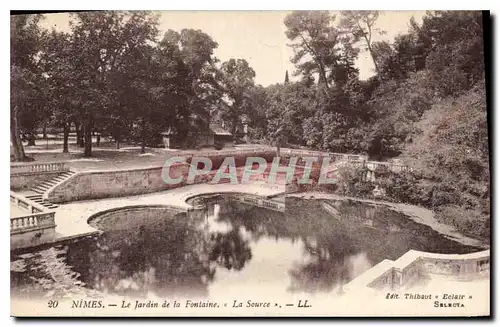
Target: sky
pixel 258 36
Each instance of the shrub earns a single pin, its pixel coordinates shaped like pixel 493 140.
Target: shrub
pixel 468 222
pixel 218 145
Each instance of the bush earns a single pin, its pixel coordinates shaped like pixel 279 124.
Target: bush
pixel 218 145
pixel 468 222
pixel 403 187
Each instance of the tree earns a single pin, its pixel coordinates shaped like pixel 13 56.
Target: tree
pixel 257 126
pixel 287 108
pixel 455 55
pixel 192 51
pixel 57 61
pixel 103 40
pixel 314 43
pixel 237 82
pixel 361 24
pixel 25 41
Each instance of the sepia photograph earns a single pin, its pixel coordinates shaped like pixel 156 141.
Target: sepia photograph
pixel 250 164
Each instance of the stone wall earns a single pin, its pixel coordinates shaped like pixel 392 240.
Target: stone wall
pixel 132 216
pixel 414 266
pixel 24 181
pixel 26 175
pixel 104 184
pixel 34 227
pixel 29 238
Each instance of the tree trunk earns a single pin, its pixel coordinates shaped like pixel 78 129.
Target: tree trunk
pixel 87 133
pixel 117 142
pixel 44 131
pixel 372 54
pixel 15 135
pixel 65 137
pixel 79 135
pixel 143 136
pixel 278 148
pixel 31 138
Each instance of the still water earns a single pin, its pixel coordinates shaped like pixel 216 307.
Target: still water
pixel 225 247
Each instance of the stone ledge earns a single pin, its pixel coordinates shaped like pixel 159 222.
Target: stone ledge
pixel 396 273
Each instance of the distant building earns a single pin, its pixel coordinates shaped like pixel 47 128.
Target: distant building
pixel 219 135
pixel 215 134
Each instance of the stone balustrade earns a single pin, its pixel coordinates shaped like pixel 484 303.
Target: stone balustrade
pixel 227 153
pixel 35 227
pixel 35 221
pixel 45 167
pixel 25 203
pixel 373 165
pixel 260 202
pixel 347 159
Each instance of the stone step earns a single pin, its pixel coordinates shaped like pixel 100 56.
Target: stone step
pixel 47 184
pixel 38 190
pixel 61 177
pixel 41 187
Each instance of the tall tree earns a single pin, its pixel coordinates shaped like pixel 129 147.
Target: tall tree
pixel 193 53
pixel 25 40
pixel 314 43
pixel 237 83
pixel 288 106
pixel 57 61
pixel 103 40
pixel 361 24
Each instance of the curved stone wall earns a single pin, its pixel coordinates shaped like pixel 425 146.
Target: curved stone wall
pixel 414 266
pixel 119 183
pixel 130 213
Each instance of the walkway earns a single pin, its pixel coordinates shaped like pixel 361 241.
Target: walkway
pixel 71 219
pixel 15 211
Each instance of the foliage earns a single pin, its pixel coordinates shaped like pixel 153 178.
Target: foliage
pixel 26 109
pixel 237 82
pixel 426 102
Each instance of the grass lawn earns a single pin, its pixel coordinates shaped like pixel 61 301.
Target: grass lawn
pixel 106 156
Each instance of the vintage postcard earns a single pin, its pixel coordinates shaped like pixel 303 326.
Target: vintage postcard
pixel 249 163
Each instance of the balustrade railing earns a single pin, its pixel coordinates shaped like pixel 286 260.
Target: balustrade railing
pixel 33 221
pixel 38 167
pixel 256 201
pixel 26 204
pixel 35 217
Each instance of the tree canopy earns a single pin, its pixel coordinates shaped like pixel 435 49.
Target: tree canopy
pixel 114 74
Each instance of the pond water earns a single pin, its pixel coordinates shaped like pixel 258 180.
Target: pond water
pixel 225 247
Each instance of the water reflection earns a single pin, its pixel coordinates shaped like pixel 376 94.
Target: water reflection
pixel 315 246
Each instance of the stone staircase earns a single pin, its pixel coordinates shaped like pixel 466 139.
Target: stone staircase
pixel 36 192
